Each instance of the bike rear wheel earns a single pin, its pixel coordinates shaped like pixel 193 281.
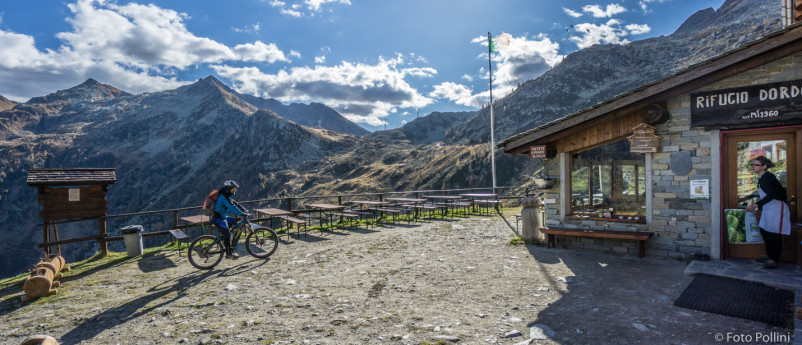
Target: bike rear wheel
pixel 262 242
pixel 204 253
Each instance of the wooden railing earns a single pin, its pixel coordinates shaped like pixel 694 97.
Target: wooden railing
pixel 288 201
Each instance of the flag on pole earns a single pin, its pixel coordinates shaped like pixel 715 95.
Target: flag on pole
pixel 499 42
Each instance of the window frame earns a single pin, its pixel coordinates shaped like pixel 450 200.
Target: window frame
pixel 642 196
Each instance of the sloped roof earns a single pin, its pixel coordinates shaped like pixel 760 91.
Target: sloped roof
pixel 71 176
pixel 773 46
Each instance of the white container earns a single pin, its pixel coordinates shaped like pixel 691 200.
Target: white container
pixel 132 235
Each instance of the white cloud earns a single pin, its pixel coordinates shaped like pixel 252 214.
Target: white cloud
pixel 572 13
pixel 403 122
pixel 320 59
pixel 259 51
pixel 524 59
pixel 248 28
pixel 467 77
pixel 363 93
pixel 598 12
pixel 637 29
pixel 314 5
pixel 456 93
pixel 296 7
pixel 295 54
pixel 644 4
pixel 130 46
pixel 607 33
pixel 289 12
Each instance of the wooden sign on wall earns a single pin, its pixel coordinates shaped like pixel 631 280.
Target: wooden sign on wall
pixel 542 151
pixel 643 139
pixel 72 203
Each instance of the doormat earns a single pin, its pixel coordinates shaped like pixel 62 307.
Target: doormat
pixel 738 298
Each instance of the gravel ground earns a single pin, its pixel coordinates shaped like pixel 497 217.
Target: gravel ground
pixel 440 281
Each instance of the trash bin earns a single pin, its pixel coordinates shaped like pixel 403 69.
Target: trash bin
pixel 132 235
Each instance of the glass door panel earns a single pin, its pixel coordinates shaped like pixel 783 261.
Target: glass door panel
pixel 739 184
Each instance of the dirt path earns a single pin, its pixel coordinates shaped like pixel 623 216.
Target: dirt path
pixel 446 281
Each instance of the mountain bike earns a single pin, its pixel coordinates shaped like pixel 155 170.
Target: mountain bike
pixel 207 251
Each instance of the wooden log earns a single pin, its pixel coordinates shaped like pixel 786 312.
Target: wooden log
pixel 39 284
pixel 56 263
pixel 40 340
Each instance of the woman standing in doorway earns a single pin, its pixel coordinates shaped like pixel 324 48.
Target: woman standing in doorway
pixel 775 219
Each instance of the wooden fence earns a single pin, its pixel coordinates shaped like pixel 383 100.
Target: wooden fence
pixel 287 202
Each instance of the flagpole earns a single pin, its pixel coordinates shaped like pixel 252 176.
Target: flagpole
pixel 492 132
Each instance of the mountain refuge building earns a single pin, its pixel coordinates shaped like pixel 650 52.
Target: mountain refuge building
pixel 671 157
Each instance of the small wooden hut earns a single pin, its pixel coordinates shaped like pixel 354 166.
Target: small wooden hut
pixel 72 194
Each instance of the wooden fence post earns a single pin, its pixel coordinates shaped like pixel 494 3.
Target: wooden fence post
pixel 103 246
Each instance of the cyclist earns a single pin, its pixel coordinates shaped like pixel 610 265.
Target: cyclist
pixel 222 208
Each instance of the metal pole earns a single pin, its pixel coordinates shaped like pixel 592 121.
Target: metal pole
pixel 492 132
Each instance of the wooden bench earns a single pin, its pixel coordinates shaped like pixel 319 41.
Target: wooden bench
pixel 349 215
pixel 179 236
pixel 640 236
pixel 296 221
pixel 308 217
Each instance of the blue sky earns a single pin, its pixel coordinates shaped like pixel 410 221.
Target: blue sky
pixel 378 62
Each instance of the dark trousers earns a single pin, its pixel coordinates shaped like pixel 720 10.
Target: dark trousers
pixel 222 226
pixel 774 244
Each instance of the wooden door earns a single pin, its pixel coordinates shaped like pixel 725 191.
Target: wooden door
pixel 739 187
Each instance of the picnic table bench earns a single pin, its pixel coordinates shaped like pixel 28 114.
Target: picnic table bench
pixel 640 236
pixel 296 221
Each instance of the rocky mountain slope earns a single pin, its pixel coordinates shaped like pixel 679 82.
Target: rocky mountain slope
pixel 601 72
pixel 6 103
pixel 172 147
pixel 311 115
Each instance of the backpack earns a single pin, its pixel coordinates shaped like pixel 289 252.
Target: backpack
pixel 208 204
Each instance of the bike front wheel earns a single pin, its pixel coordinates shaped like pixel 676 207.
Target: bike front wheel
pixel 205 252
pixel 262 242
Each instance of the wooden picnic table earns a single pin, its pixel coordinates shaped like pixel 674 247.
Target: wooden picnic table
pixel 196 220
pixel 479 195
pixel 274 213
pixel 412 200
pixel 328 209
pixel 448 201
pixel 369 202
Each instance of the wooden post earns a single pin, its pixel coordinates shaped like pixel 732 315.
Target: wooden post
pixel 103 246
pixel 55 238
pixel 289 208
pixel 46 237
pixel 339 200
pixel 175 219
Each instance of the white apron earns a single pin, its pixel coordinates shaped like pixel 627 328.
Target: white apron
pixel 776 217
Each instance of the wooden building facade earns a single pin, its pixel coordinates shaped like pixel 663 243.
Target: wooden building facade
pixel 671 157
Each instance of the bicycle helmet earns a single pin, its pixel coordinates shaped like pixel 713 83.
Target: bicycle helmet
pixel 230 184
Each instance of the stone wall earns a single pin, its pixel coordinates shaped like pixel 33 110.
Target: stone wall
pixel 682 225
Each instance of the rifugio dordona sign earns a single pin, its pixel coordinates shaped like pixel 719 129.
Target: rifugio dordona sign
pixel 753 106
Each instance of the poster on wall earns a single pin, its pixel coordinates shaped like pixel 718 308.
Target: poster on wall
pixel 700 189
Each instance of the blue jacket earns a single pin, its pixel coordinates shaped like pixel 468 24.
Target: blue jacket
pixel 223 206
